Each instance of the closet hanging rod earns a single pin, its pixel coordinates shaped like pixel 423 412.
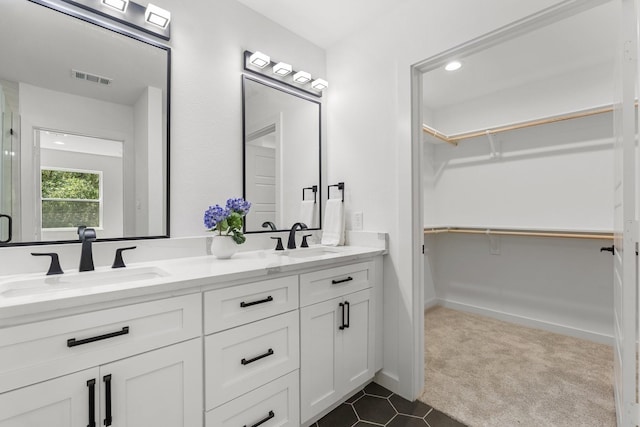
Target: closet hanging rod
pixel 525 233
pixel 453 139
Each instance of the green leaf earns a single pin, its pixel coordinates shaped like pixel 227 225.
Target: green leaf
pixel 235 221
pixel 238 237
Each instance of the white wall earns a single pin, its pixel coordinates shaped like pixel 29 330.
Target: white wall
pixel 370 148
pixel 208 39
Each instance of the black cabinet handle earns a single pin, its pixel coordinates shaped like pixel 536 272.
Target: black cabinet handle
pixel 262 356
pixel 262 301
pixel 608 249
pixel 264 420
pixel 341 327
pixel 72 342
pixel 10 233
pixel 107 400
pixel 348 306
pixel 92 402
pixel 335 282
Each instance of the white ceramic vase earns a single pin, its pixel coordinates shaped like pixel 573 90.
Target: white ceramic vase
pixel 223 247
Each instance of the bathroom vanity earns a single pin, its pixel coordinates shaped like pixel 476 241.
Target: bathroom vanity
pixel 192 342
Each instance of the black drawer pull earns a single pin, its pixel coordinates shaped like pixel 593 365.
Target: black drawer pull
pixel 346 304
pixel 262 356
pixel 341 327
pixel 262 301
pixel 72 342
pixel 335 282
pixel 108 419
pixel 92 402
pixel 264 420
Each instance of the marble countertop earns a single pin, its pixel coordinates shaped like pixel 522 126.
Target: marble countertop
pixel 31 294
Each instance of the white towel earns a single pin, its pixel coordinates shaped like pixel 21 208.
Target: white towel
pixel 333 230
pixel 308 213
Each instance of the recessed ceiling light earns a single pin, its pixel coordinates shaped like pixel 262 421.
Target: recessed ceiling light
pixel 453 66
pixel 58 142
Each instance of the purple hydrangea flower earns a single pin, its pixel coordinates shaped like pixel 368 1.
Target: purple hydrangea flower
pixel 239 205
pixel 214 215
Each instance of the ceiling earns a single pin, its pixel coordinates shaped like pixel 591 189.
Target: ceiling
pixel 322 23
pixel 566 46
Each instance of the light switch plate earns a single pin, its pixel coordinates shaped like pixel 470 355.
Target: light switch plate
pixel 356 221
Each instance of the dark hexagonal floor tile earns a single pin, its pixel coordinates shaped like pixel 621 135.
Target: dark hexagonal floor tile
pixel 365 424
pixel 377 390
pixel 407 421
pixel 403 406
pixel 438 419
pixel 374 409
pixel 342 416
pixel 355 397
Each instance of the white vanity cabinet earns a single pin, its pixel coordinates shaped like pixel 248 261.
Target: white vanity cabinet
pixel 337 335
pixel 251 354
pixel 137 365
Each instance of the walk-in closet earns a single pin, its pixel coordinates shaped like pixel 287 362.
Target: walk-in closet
pixel 519 196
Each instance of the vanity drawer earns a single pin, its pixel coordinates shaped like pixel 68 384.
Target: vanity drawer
pixel 276 403
pixel 38 351
pixel 334 282
pixel 238 305
pixel 241 359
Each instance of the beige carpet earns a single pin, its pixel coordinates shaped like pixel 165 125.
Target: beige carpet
pixel 489 373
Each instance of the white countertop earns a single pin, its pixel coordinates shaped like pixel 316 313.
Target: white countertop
pixel 30 294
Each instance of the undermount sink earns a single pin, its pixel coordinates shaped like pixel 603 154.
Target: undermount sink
pixel 310 252
pixel 75 280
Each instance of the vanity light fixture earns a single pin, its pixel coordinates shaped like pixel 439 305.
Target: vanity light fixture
pixel 319 84
pixel 119 5
pixel 260 60
pixel 157 16
pixel 151 19
pixel 282 69
pixel 301 77
pixel 453 66
pixel 285 74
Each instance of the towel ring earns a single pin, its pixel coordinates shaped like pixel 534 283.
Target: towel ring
pixel 340 186
pixel 314 189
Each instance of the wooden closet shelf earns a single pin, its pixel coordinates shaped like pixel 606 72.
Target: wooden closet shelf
pixel 453 139
pixel 526 233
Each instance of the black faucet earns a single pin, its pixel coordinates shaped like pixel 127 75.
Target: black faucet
pixel 86 235
pixel 291 243
pixel 269 224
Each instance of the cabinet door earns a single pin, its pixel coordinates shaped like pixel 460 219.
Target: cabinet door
pixel 357 351
pixel 161 388
pixel 60 402
pixel 319 373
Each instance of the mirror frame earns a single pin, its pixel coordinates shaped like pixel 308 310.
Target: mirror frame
pixel 295 93
pixel 118 28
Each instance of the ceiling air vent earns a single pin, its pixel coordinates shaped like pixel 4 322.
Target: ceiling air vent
pixel 81 75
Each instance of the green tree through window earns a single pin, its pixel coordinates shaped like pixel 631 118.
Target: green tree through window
pixel 70 199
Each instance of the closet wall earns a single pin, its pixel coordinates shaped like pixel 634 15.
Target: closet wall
pixel 556 176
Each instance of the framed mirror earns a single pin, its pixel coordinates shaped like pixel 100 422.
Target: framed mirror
pixel 84 129
pixel 281 147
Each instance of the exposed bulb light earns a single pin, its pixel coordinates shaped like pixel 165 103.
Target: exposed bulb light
pixel 157 16
pixel 119 5
pixel 259 59
pixel 453 66
pixel 282 69
pixel 319 84
pixel 301 77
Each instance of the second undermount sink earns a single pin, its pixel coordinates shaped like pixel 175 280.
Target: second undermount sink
pixel 313 251
pixel 45 284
